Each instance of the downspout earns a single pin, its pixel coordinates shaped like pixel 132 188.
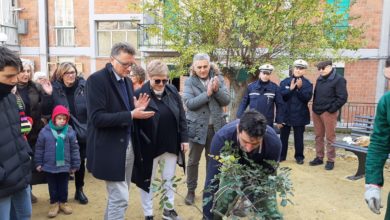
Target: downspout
pixel 383 50
pixel 43 35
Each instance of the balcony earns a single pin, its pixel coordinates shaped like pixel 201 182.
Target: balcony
pixel 151 42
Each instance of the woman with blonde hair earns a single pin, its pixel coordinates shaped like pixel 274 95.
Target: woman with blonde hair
pixel 68 90
pixel 168 121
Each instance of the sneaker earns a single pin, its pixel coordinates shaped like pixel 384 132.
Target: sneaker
pixel 329 165
pixel 170 215
pixel 53 210
pixel 149 217
pixel 317 161
pixel 300 161
pixel 190 198
pixel 65 208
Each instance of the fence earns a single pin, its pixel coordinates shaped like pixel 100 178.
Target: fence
pixel 350 110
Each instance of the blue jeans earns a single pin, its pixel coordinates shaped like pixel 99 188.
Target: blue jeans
pixel 16 206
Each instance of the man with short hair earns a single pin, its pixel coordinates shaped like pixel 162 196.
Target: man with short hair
pixel 15 161
pixel 204 95
pixel 263 95
pixel 253 137
pixel 378 152
pixel 330 94
pixel 111 138
pixel 296 91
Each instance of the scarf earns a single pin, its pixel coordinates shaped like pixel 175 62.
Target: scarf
pixel 60 142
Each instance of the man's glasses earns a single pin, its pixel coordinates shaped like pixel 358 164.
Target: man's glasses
pixel 265 72
pixel 322 68
pixel 124 65
pixel 158 81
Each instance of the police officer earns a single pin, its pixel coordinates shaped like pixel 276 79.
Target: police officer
pixel 296 91
pixel 262 95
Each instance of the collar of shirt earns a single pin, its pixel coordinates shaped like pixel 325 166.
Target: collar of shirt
pixel 117 77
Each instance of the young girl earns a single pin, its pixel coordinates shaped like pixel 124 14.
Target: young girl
pixel 57 154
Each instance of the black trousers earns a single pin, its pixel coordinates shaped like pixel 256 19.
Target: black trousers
pixel 79 174
pixel 58 187
pixel 298 141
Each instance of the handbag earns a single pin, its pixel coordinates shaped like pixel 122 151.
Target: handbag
pixel 80 128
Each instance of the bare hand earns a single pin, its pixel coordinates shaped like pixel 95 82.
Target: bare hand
pixel 139 113
pixel 47 87
pixel 292 84
pixel 210 87
pixel 299 83
pixel 184 147
pixel 73 170
pixel 39 168
pixel 279 126
pixel 215 84
pixel 142 101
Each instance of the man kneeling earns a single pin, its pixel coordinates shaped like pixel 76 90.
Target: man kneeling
pixel 254 139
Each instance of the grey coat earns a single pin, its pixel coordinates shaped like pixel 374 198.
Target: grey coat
pixel 200 107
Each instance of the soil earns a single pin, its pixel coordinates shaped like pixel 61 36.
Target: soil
pixel 319 194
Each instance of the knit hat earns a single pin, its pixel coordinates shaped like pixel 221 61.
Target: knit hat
pixel 60 110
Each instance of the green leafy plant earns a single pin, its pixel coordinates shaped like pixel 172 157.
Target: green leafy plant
pixel 245 188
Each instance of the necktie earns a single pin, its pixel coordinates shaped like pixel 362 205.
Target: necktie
pixel 124 93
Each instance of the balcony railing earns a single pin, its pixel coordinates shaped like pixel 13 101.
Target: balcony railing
pixel 151 36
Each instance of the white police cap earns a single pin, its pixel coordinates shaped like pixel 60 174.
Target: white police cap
pixel 300 63
pixel 267 67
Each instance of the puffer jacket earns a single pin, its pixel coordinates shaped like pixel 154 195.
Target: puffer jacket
pixel 15 161
pixel 200 107
pixel 45 151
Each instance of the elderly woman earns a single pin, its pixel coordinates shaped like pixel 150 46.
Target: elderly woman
pixel 36 106
pixel 68 90
pixel 137 76
pixel 168 121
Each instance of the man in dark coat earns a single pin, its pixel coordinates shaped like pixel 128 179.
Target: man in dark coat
pixel 330 94
pixel 15 161
pixel 111 109
pixel 252 136
pixel 296 91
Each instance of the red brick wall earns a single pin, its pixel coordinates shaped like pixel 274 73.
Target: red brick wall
pixel 116 7
pixel 30 13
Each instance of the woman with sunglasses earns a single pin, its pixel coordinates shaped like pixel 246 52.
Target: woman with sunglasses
pixel 263 95
pixel 163 137
pixel 67 88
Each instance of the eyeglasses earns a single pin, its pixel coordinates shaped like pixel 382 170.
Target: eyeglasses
pixel 322 68
pixel 265 72
pixel 158 81
pixel 124 65
pixel 70 73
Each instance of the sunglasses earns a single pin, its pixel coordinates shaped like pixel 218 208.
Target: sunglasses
pixel 265 72
pixel 158 81
pixel 70 73
pixel 322 68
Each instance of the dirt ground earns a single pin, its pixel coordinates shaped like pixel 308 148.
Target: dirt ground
pixel 319 194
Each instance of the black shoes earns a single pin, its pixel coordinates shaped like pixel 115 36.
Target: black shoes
pixel 150 217
pixel 300 161
pixel 80 196
pixel 329 165
pixel 317 161
pixel 190 198
pixel 170 215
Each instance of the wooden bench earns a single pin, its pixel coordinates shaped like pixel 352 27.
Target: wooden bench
pixel 363 126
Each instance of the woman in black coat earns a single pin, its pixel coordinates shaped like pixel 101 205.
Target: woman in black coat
pixel 163 138
pixel 68 89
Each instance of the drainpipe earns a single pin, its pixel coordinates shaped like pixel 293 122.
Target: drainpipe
pixel 383 50
pixel 43 35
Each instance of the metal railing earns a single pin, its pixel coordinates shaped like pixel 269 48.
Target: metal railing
pixel 151 36
pixel 352 109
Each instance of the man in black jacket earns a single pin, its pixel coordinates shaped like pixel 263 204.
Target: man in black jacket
pixel 15 161
pixel 110 135
pixel 330 94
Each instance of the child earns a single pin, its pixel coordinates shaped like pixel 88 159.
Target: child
pixel 57 154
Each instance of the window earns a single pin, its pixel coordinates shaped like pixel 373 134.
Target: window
pixel 111 32
pixel 64 23
pixel 8 21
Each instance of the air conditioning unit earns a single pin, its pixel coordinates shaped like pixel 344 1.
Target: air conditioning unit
pixel 22 26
